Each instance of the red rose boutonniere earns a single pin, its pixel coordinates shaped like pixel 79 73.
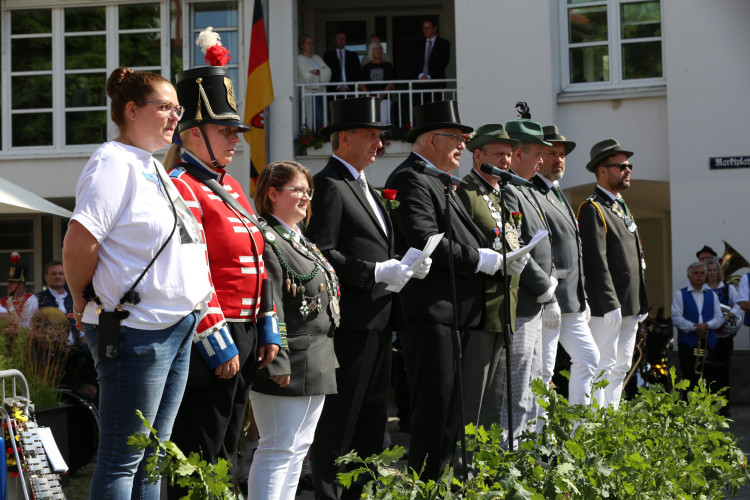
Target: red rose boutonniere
pixel 388 197
pixel 517 219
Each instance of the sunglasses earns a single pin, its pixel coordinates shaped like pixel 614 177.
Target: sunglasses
pixel 621 166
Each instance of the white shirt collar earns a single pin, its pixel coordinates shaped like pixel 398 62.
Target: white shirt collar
pixel 355 173
pixel 431 40
pixel 56 295
pixel 294 230
pixel 693 290
pixel 548 182
pixel 609 193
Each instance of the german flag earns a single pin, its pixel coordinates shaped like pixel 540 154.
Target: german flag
pixel 259 94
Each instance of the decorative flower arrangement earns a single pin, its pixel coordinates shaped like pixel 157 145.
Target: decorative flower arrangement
pixel 308 137
pixel 388 197
pixel 517 218
pixel 397 134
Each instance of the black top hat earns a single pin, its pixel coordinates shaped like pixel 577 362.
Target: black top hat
pixel 705 249
pixel 208 97
pixel 552 134
pixel 357 112
pixel 436 115
pixel 605 149
pixel 17 271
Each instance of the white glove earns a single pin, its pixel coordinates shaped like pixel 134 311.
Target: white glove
pixel 613 319
pixel 515 267
pixel 587 313
pixel 392 272
pixel 642 317
pixel 489 261
pixel 423 269
pixel 550 293
pixel 551 316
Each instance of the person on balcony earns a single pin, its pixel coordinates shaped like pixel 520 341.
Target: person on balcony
pixel 378 70
pixel 430 59
pixel 344 65
pixel 312 69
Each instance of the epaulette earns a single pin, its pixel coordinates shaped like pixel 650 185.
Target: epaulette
pixel 176 172
pixel 591 199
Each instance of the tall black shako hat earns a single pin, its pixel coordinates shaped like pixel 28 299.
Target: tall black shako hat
pixel 17 272
pixel 207 92
pixel 208 97
pixel 437 115
pixel 357 112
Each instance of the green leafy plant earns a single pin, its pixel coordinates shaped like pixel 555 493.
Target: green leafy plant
pixel 39 352
pixel 654 446
pixel 202 480
pixel 308 137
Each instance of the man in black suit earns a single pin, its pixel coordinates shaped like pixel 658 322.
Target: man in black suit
pixel 430 59
pixel 352 228
pixel 344 65
pixel 537 286
pixel 613 265
pixel 567 321
pixel 427 332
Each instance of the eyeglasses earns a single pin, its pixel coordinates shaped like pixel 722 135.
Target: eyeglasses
pixel 300 191
pixel 621 166
pixel 458 137
pixel 167 108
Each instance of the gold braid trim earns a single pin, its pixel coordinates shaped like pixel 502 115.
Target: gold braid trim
pixel 598 209
pixel 207 103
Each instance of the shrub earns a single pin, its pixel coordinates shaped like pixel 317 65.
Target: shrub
pixel 655 446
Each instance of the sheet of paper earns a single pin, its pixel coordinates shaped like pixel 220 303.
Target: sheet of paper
pixel 56 461
pixel 516 254
pixel 414 258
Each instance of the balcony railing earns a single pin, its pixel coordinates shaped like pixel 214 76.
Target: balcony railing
pixel 397 104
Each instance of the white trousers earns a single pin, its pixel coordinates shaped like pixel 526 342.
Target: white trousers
pixel 526 365
pixel 286 426
pixel 615 355
pixel 575 336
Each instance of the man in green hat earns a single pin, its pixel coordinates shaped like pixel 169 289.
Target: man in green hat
pixel 568 323
pixel 538 280
pixel 614 266
pixel 484 353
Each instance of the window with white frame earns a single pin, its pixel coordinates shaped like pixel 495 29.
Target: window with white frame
pixel 611 43
pixel 59 60
pixel 223 17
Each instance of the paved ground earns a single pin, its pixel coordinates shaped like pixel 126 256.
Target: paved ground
pixel 740 426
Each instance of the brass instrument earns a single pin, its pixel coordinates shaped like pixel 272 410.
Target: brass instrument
pixel 731 262
pixel 732 324
pixel 701 353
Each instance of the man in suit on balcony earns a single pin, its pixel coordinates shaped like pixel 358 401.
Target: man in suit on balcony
pixel 344 65
pixel 430 60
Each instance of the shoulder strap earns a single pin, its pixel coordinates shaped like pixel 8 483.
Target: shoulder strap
pixel 222 193
pixel 590 199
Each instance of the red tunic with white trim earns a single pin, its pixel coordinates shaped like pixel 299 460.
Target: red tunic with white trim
pixel 235 257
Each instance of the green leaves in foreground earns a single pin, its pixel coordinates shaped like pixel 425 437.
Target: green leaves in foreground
pixel 655 446
pixel 165 459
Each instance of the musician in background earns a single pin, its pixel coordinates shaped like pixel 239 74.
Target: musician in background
pixel 722 354
pixel 697 314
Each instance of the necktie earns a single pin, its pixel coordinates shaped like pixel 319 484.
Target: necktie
pixel 341 63
pixel 624 206
pixel 362 181
pixel 427 52
pixel 557 192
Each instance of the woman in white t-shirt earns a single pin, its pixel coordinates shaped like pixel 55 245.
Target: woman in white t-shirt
pixel 312 69
pixel 132 245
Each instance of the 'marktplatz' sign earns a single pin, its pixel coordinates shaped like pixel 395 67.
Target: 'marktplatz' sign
pixel 729 162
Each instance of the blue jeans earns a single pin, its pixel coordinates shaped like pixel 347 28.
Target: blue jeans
pixel 150 376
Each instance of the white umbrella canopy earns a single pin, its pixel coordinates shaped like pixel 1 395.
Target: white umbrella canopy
pixel 17 200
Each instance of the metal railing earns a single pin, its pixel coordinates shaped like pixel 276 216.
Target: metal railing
pixel 398 103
